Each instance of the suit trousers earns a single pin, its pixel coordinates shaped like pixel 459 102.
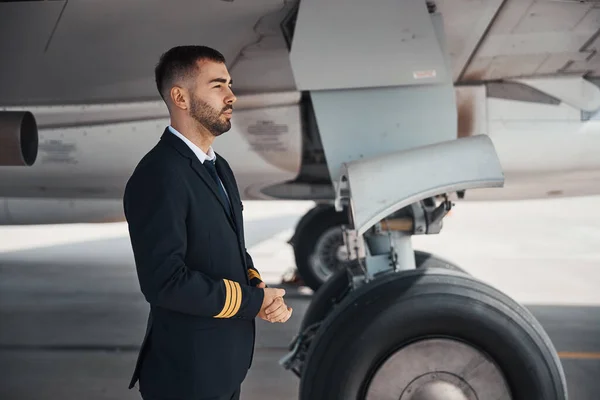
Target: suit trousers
pixel 233 396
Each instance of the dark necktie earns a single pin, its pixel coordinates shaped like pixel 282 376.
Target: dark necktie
pixel 212 170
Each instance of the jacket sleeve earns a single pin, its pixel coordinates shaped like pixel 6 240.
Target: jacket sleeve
pixel 155 206
pixel 253 274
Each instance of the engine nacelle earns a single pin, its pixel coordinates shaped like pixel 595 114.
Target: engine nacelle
pixel 18 138
pixel 32 211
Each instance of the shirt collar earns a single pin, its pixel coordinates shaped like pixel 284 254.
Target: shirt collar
pixel 202 156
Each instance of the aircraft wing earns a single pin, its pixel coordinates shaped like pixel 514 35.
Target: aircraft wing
pixel 72 52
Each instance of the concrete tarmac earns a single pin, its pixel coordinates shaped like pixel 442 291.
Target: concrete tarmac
pixel 72 317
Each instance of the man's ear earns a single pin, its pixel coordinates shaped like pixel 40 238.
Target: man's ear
pixel 179 97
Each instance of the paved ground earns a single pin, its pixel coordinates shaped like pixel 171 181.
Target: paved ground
pixel 72 318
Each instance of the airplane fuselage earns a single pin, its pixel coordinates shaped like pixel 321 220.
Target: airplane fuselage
pixel 547 148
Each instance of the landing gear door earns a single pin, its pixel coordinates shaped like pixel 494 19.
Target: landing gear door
pixel 378 186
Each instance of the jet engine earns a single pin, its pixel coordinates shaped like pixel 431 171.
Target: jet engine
pixel 18 138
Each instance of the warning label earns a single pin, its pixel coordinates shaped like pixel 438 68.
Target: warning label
pixel 424 74
pixel 267 136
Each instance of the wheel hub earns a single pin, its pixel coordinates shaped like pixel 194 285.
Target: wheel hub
pixel 439 391
pixel 438 386
pixel 330 254
pixel 438 369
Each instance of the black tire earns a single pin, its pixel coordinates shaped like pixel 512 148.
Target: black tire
pixel 338 286
pixel 319 208
pixel 399 309
pixel 309 230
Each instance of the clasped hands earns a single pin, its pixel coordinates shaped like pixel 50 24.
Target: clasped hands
pixel 273 308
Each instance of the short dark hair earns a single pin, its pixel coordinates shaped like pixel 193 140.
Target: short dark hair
pixel 179 63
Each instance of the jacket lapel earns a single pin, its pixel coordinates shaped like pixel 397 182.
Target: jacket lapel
pixel 200 170
pixel 203 173
pixel 231 192
pixel 228 182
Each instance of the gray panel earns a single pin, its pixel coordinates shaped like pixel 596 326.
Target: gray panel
pixel 468 22
pixel 590 115
pixel 510 66
pixel 438 28
pixel 553 16
pixel 368 122
pixel 106 51
pixel 25 29
pixel 264 65
pixel 518 91
pixel 557 62
pixel 509 17
pixel 363 123
pixel 595 81
pixel 533 43
pixel 590 22
pixel 396 45
pixel 536 38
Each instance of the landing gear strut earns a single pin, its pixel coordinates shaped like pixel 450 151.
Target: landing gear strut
pixel 318 240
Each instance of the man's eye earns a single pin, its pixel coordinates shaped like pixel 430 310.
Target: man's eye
pixel 218 86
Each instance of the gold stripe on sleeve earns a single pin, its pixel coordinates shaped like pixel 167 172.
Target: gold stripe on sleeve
pixel 254 274
pixel 228 301
pixel 233 299
pixel 238 301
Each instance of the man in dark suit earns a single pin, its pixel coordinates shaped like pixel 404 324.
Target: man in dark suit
pixel 185 222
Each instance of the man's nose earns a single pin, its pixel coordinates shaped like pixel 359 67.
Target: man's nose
pixel 231 98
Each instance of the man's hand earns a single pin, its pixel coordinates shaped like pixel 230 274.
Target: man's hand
pixel 273 308
pixel 261 285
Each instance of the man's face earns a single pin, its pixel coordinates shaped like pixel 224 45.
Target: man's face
pixel 211 98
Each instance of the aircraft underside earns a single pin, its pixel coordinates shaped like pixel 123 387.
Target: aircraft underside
pixel 382 128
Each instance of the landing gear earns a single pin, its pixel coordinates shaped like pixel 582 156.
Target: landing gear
pixel 388 328
pixel 389 138
pixel 431 334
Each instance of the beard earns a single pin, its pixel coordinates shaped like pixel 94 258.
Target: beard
pixel 208 117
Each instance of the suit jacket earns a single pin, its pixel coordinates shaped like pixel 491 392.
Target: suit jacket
pixel 194 270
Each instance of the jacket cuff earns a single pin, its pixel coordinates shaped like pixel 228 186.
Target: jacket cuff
pixel 254 277
pixel 252 299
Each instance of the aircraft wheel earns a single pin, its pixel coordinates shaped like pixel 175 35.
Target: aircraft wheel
pixel 319 245
pixel 338 286
pixel 430 334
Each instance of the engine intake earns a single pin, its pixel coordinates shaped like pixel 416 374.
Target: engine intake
pixel 18 138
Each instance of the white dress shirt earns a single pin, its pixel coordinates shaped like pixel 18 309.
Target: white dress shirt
pixel 202 156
